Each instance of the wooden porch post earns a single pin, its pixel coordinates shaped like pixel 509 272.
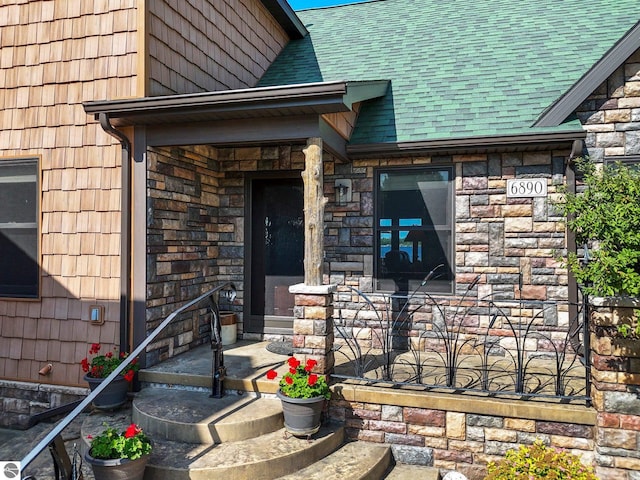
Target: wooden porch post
pixel 314 202
pixel 313 322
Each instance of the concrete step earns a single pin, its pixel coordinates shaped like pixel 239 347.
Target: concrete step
pixel 353 461
pixel 194 417
pixel 266 457
pixel 403 472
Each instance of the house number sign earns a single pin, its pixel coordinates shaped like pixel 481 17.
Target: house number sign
pixel 526 187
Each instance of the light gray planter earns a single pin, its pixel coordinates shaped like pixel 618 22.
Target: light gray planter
pixel 112 397
pixel 302 416
pixel 117 468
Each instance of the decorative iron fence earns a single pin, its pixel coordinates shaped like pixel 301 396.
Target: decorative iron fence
pixel 499 347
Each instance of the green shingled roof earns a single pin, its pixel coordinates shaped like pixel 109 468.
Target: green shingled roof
pixel 458 68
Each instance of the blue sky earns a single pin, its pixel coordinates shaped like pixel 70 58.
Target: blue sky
pixel 302 4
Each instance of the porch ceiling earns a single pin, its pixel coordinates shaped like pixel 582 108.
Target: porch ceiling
pixel 288 113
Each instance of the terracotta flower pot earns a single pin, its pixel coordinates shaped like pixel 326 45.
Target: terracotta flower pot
pixel 302 416
pixel 117 468
pixel 112 397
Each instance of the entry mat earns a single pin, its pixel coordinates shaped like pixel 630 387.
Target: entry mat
pixel 281 347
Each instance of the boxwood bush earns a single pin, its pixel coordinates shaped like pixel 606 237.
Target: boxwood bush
pixel 538 461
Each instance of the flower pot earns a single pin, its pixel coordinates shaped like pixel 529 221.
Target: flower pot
pixel 302 416
pixel 117 468
pixel 112 397
pixel 228 328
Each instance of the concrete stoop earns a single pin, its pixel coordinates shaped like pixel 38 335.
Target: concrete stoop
pixel 241 437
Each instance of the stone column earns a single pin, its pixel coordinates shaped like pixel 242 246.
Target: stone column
pixel 615 375
pixel 313 312
pixel 313 325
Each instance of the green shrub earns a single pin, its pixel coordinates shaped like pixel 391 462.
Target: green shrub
pixel 538 461
pixel 606 217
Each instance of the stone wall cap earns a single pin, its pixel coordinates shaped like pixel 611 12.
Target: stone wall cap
pixel 304 289
pixel 621 301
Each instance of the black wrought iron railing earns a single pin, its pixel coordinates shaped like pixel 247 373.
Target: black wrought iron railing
pixel 506 347
pixel 66 470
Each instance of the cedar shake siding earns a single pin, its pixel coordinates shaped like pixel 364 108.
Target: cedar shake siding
pixel 204 46
pixel 54 56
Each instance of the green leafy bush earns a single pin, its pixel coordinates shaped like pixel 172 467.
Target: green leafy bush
pixel 538 461
pixel 111 444
pixel 606 217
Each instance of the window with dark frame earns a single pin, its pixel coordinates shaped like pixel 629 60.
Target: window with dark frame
pixel 629 160
pixel 414 222
pixel 19 265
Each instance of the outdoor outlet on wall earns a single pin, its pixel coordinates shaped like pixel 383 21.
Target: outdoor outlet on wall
pixel 96 314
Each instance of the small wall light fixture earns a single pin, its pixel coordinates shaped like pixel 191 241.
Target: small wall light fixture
pixel 343 191
pixel 96 314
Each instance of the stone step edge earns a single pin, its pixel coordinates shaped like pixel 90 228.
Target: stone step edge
pixel 352 461
pixel 401 471
pixel 203 382
pixel 194 417
pixel 266 457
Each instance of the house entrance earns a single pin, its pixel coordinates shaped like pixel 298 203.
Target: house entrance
pixel 276 252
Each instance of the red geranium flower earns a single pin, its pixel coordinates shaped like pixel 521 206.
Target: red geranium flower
pixel 311 363
pixel 132 431
pixel 293 362
pixel 299 382
pixel 101 366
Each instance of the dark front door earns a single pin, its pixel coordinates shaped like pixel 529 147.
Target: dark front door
pixel 276 253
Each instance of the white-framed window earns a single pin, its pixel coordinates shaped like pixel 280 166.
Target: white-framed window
pixel 19 265
pixel 414 228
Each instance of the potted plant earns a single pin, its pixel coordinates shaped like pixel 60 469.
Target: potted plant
pixel 119 455
pixel 605 217
pixel 100 367
pixel 303 395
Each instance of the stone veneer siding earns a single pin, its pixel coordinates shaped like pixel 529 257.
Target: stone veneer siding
pixel 182 231
pixel 611 115
pixel 496 237
pixel 196 236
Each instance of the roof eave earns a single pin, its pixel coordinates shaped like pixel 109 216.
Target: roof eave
pixel 286 17
pixel 468 144
pixel 319 98
pixel 558 112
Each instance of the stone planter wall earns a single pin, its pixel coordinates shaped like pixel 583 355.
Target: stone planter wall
pixel 465 432
pixel 616 389
pixel 20 400
pixel 459 432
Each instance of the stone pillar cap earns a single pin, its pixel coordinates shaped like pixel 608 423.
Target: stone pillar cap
pixel 302 288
